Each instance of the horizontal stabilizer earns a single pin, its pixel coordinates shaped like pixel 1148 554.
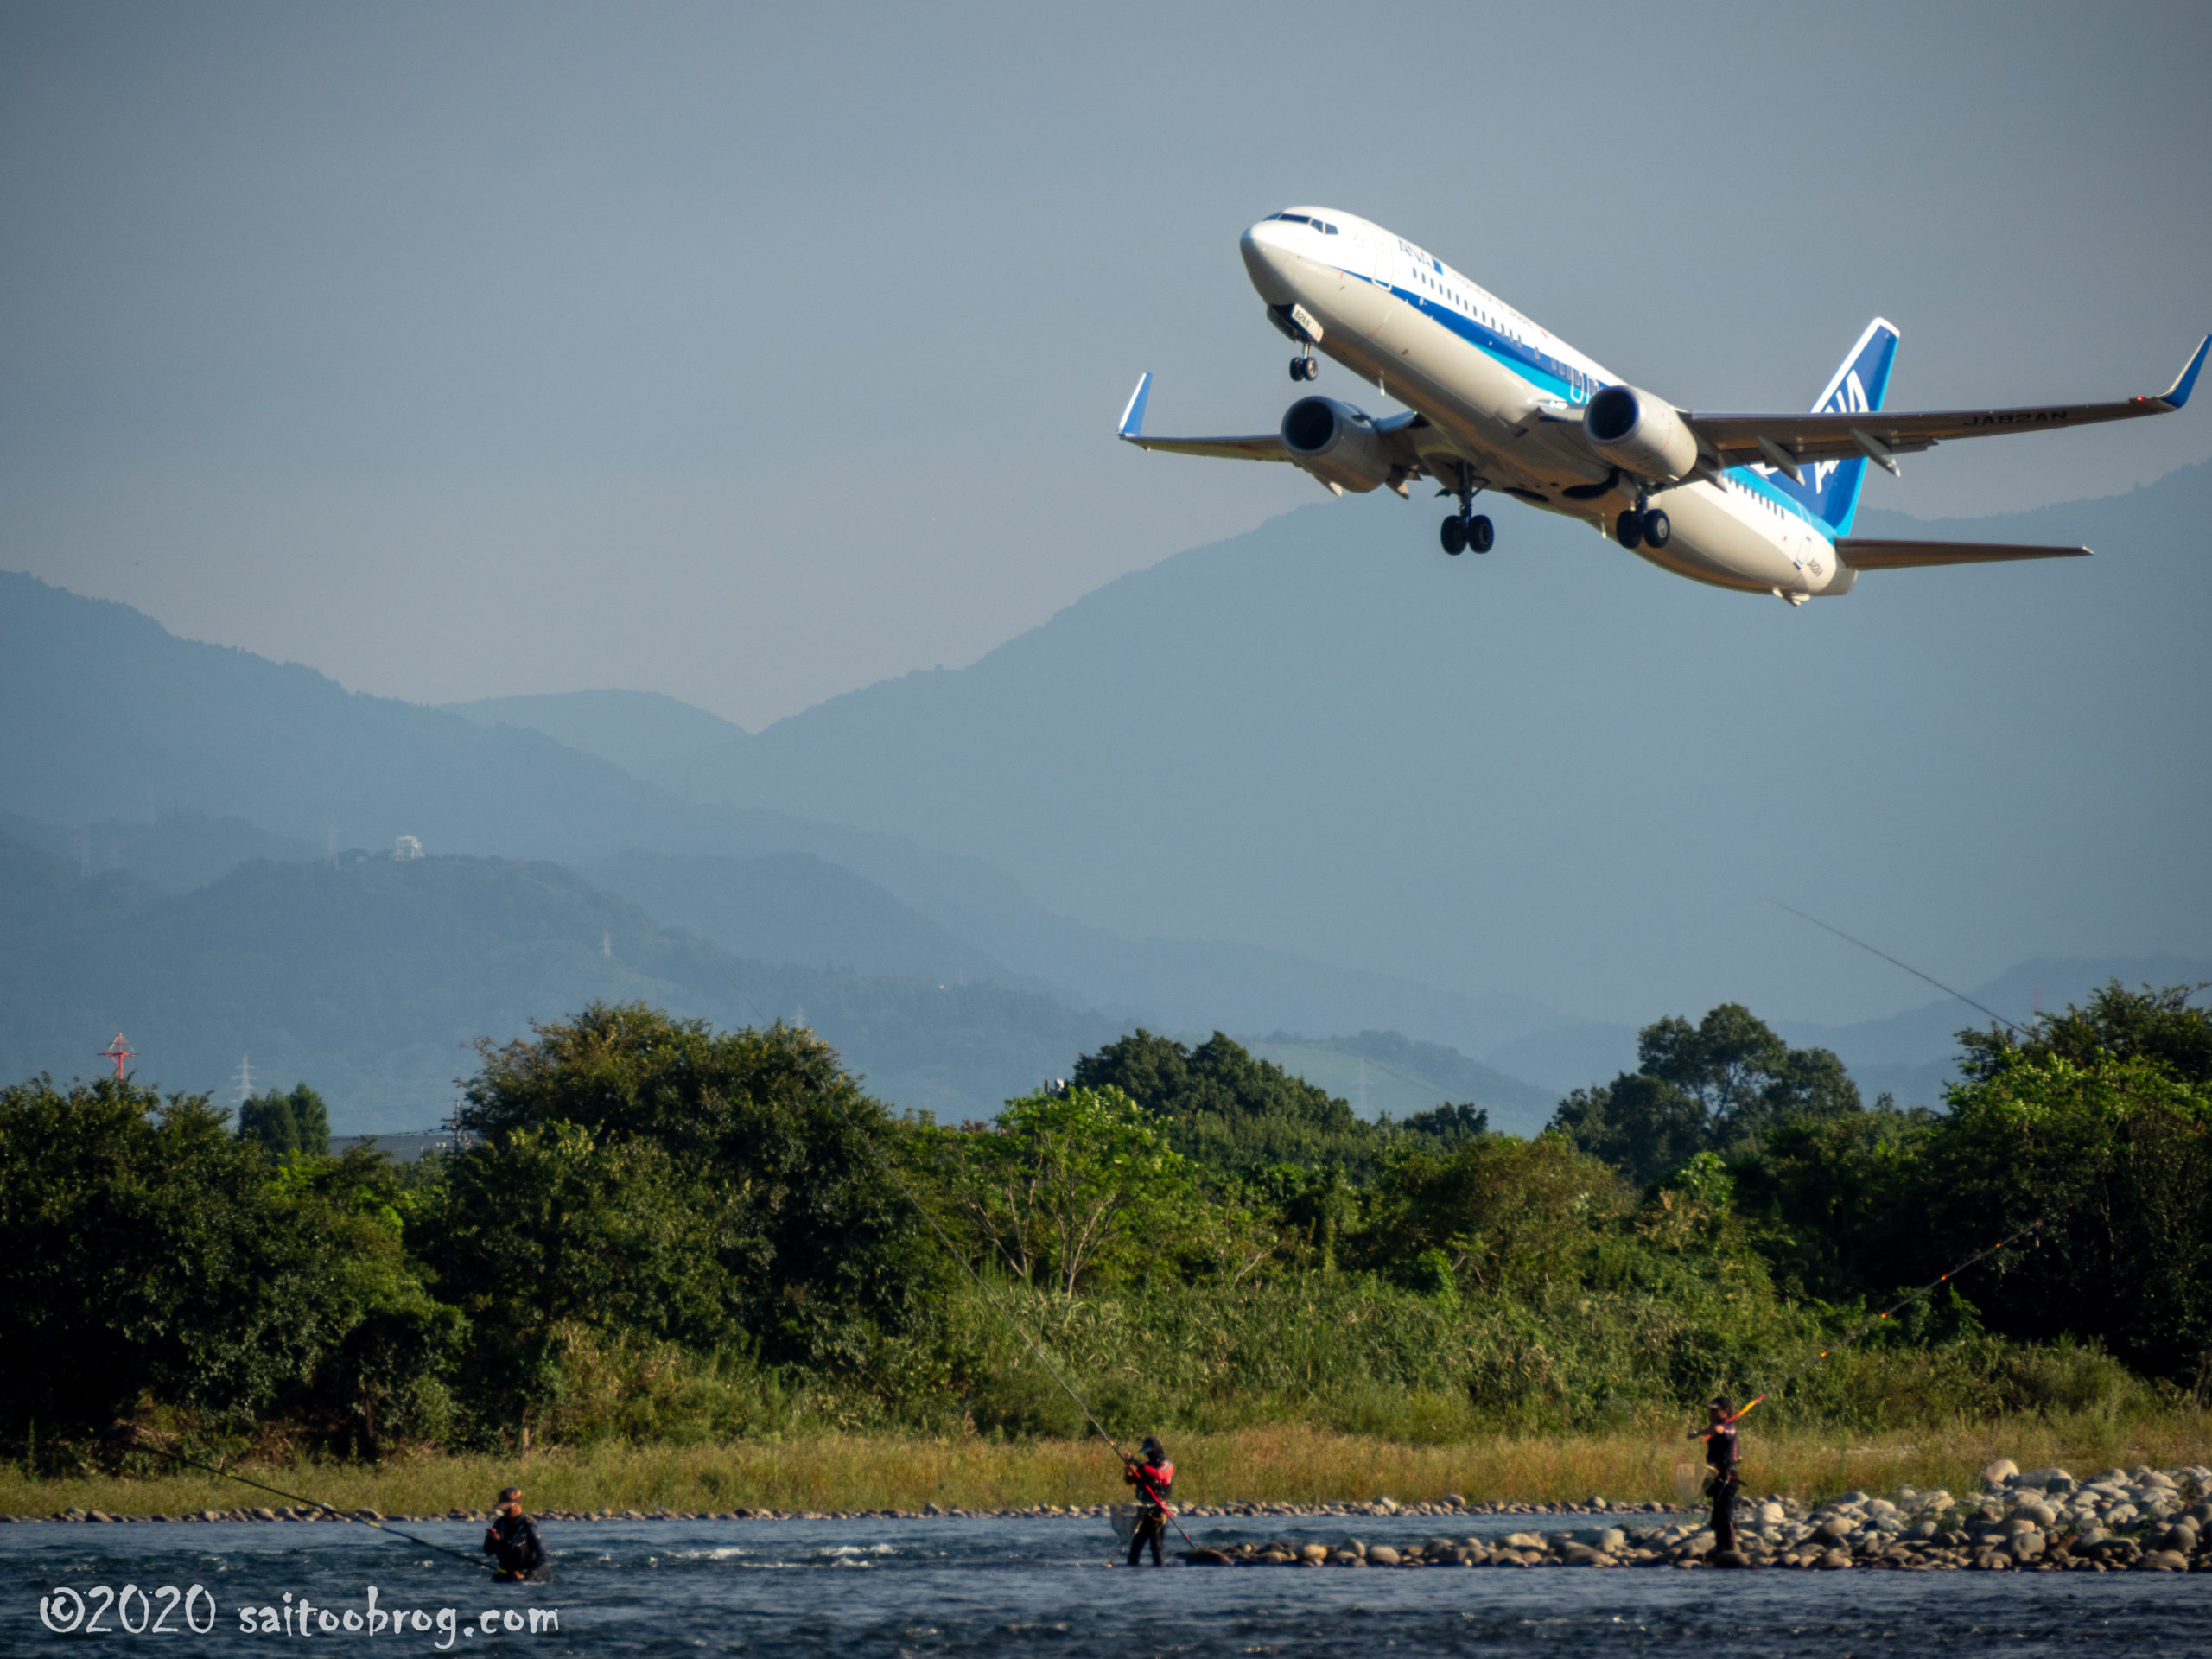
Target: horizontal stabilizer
pixel 1866 553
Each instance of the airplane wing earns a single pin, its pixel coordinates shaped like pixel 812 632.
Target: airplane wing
pixel 1401 434
pixel 1784 440
pixel 1267 446
pixel 1872 553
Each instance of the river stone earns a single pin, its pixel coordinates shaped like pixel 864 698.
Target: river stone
pixel 1998 1471
pixel 1315 1552
pixel 1836 1529
pixel 2053 1479
pixel 1520 1540
pixel 2119 1514
pixel 1580 1555
pixel 2155 1478
pixel 1835 1558
pixel 2042 1514
pixel 2164 1560
pixel 1382 1555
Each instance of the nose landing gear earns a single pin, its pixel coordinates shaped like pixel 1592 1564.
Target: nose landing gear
pixel 1305 366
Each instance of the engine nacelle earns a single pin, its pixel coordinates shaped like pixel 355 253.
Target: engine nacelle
pixel 1636 431
pixel 1337 444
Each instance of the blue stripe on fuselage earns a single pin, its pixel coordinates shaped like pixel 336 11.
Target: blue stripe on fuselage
pixel 1524 360
pixel 1529 363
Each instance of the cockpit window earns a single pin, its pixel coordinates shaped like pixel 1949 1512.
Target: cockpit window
pixel 1292 218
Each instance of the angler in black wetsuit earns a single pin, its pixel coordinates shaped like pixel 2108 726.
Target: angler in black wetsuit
pixel 512 1540
pixel 1153 1475
pixel 1719 1437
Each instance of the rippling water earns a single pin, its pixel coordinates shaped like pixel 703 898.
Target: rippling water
pixel 961 1586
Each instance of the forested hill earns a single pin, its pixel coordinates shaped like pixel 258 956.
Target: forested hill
pixel 371 977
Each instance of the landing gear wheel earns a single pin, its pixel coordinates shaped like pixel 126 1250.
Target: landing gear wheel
pixel 1454 536
pixel 1305 368
pixel 1480 534
pixel 1628 530
pixel 1656 529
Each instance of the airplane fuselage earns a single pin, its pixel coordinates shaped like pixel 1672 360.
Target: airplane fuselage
pixel 1481 375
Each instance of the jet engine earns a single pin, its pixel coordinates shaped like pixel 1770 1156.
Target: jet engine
pixel 1636 431
pixel 1337 444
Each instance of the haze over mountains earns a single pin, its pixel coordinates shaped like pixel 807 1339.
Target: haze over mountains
pixel 1325 737
pixel 1375 779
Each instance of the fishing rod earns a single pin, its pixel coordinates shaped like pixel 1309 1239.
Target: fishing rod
pixel 336 1514
pixel 1872 1324
pixel 1036 1349
pixel 1928 979
pixel 2014 1026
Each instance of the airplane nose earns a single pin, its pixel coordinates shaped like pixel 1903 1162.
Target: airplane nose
pixel 1269 262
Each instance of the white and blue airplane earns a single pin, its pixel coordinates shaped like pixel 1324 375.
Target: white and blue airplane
pixel 1763 503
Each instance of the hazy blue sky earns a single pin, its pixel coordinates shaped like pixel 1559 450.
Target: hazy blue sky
pixel 753 354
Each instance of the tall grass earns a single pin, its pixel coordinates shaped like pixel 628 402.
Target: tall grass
pixel 1284 1462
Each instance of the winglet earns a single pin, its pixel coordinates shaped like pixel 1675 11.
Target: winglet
pixel 2177 394
pixel 1133 416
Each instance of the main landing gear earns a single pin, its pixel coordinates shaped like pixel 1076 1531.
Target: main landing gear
pixel 1305 366
pixel 1466 530
pixel 1643 527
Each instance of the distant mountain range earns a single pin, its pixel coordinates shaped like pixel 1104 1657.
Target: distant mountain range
pixel 1555 769
pixel 371 977
pixel 1296 736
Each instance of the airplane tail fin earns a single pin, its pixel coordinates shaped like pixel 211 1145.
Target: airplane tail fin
pixel 1831 488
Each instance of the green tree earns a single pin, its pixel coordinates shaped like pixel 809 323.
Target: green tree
pixel 790 1157
pixel 1504 1212
pixel 1227 1109
pixel 544 1232
pixel 287 1123
pixel 1840 1205
pixel 2165 1028
pixel 1076 1186
pixel 1445 1126
pixel 1724 1084
pixel 147 1254
pixel 2114 1159
pixel 1642 1125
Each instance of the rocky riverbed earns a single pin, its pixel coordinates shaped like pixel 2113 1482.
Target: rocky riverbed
pixel 1450 1504
pixel 2046 1520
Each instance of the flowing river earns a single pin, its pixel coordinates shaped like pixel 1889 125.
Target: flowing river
pixel 1010 1586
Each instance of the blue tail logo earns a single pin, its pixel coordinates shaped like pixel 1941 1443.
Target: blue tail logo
pixel 1830 490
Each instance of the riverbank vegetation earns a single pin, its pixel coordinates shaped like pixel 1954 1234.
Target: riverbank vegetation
pixel 712 1249
pixel 1282 1463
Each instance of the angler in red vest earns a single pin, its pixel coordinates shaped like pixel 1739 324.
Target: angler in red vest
pixel 1153 1476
